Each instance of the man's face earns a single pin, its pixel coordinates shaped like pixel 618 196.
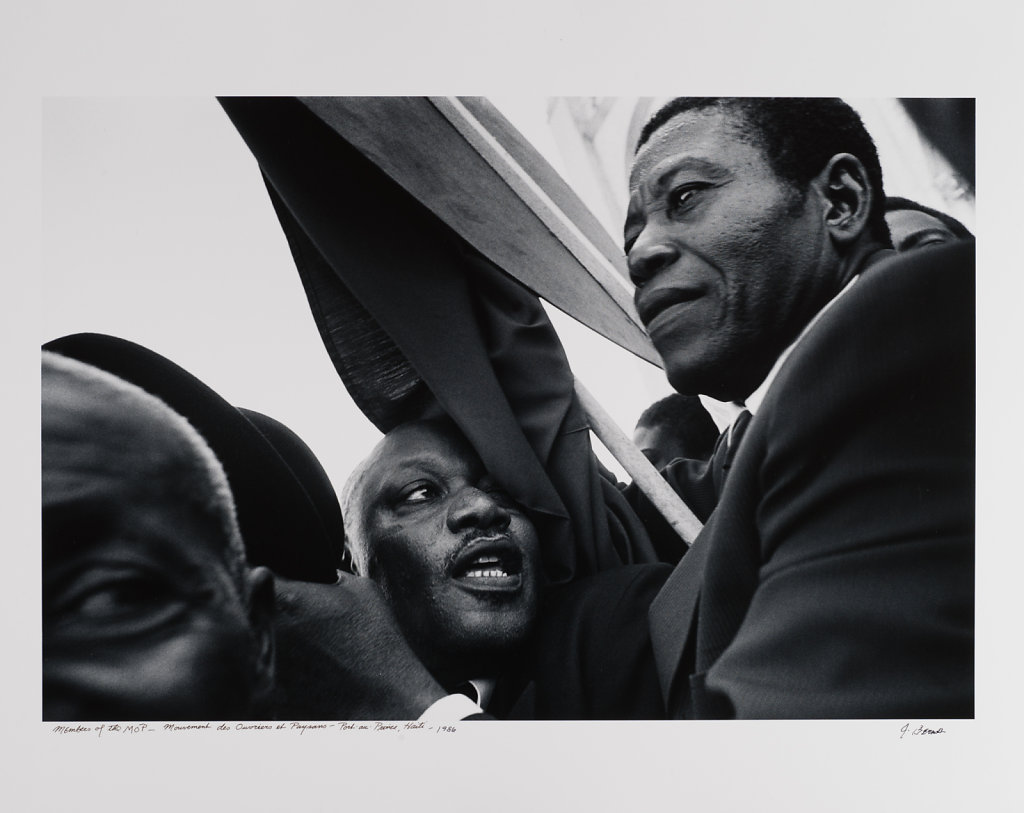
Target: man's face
pixel 455 557
pixel 912 229
pixel 141 619
pixel 658 444
pixel 729 260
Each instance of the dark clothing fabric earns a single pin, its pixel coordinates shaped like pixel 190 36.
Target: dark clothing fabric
pixel 416 322
pixel 591 657
pixel 288 513
pixel 835 577
pixel 698 482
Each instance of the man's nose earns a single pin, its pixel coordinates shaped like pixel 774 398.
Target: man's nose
pixel 473 508
pixel 650 252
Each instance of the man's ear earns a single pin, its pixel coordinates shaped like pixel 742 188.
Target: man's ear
pixel 348 560
pixel 261 620
pixel 848 197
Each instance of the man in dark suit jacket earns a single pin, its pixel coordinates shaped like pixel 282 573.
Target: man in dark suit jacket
pixel 590 657
pixel 834 578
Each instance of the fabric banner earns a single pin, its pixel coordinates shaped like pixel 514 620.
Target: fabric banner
pixel 417 322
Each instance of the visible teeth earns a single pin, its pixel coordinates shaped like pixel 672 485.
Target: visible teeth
pixel 490 573
pixel 486 566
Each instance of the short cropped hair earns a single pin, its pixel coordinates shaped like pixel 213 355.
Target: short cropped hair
pixel 352 513
pixel 896 203
pixel 687 418
pixel 797 136
pixel 353 498
pixel 197 475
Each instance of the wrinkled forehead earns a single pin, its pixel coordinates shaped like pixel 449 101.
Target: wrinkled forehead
pixel 695 136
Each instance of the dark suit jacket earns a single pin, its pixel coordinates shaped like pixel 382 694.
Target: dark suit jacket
pixel 835 578
pixel 591 657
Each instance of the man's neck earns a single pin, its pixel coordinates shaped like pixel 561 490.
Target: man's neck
pixel 859 258
pixel 851 272
pixel 849 267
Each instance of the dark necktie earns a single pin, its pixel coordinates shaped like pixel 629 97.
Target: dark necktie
pixel 725 451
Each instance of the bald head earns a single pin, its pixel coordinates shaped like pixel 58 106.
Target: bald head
pixel 142 555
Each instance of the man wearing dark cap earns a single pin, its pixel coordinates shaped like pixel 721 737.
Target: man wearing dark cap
pixel 835 576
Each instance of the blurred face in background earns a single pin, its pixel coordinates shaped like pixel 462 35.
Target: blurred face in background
pixel 142 617
pixel 912 229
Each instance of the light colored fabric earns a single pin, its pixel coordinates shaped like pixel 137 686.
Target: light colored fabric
pixel 484 690
pixel 449 709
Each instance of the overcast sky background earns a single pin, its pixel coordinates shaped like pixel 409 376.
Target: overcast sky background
pixel 157 228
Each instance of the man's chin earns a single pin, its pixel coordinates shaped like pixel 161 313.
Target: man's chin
pixel 493 631
pixel 743 371
pixel 475 647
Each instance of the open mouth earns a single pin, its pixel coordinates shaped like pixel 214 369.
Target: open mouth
pixel 490 564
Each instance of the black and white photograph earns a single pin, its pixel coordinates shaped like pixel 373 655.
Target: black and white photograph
pixel 388 434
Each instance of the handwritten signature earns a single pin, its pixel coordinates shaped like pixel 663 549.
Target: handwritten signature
pixel 920 730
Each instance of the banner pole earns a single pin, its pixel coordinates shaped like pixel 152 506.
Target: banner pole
pixel 646 477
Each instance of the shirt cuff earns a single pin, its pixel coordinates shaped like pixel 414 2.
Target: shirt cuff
pixel 449 709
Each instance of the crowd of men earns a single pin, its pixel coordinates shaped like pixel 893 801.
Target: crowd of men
pixel 197 563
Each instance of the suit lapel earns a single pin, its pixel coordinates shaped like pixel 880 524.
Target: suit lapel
pixel 672 613
pixel 673 610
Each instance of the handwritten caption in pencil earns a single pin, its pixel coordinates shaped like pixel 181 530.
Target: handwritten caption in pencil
pixel 145 729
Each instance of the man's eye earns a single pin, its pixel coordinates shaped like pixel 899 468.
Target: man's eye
pixel 682 197
pixel 420 492
pixel 114 598
pixel 112 594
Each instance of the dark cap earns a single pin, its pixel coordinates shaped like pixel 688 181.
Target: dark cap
pixel 288 511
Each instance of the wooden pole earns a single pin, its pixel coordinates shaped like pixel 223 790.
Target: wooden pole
pixel 646 477
pixel 462 160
